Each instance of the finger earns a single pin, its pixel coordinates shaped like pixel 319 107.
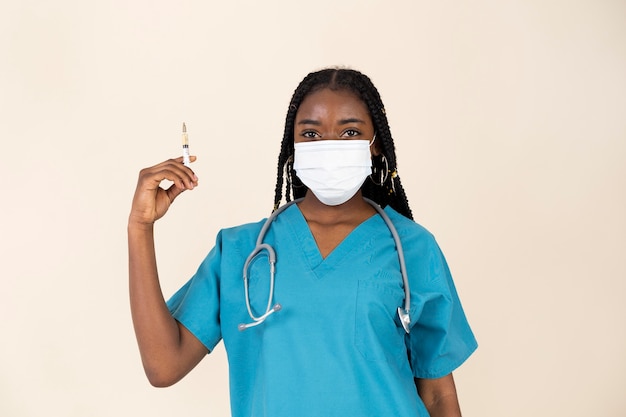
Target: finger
pixel 192 158
pixel 181 179
pixel 172 162
pixel 173 191
pixel 172 170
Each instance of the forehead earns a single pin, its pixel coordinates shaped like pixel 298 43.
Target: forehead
pixel 327 102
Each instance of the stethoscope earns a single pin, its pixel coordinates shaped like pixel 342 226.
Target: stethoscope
pixel 403 312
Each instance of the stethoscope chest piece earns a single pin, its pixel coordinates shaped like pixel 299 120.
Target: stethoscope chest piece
pixel 405 319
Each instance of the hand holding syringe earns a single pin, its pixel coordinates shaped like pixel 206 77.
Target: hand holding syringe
pixel 152 200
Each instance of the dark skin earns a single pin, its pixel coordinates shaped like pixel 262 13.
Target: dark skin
pixel 168 350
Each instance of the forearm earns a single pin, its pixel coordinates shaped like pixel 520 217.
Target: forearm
pixel 439 396
pixel 447 406
pixel 157 332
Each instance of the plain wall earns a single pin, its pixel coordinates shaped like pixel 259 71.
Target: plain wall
pixel 509 121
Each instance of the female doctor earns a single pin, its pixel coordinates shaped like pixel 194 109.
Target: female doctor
pixel 337 305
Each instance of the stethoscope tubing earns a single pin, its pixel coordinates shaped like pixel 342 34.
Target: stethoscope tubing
pixel 403 313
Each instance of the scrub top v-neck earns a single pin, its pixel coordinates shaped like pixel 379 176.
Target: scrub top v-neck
pixel 319 264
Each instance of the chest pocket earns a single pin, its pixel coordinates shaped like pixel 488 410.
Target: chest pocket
pixel 378 333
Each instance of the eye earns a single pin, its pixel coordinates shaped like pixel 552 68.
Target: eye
pixel 310 134
pixel 351 133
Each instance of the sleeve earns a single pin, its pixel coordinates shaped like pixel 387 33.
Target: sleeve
pixel 441 338
pixel 197 304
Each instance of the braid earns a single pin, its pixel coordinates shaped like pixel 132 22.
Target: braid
pixel 390 192
pixel 285 158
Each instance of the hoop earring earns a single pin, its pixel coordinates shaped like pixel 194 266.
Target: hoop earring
pixel 382 174
pixel 288 170
pixel 286 167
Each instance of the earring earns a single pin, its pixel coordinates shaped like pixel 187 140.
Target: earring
pixel 394 175
pixel 382 174
pixel 286 167
pixel 292 180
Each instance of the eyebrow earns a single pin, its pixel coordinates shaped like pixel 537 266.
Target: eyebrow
pixel 309 122
pixel 341 122
pixel 350 120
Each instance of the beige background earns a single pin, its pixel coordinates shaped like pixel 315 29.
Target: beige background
pixel 509 119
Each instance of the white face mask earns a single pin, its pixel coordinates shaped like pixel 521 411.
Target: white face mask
pixel 333 170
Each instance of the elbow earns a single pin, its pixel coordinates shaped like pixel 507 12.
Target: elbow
pixel 160 382
pixel 160 377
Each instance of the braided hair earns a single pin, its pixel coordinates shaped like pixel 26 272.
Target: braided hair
pixel 384 185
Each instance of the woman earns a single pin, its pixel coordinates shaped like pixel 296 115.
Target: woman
pixel 322 337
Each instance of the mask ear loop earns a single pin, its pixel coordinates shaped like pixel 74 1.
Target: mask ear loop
pixel 383 173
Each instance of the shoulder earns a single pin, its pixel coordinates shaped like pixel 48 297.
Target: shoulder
pixel 417 241
pixel 248 233
pixel 235 236
pixel 407 228
pixel 242 230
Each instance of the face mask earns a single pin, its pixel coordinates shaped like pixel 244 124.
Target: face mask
pixel 333 170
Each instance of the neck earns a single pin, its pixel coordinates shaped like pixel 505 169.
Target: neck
pixel 353 210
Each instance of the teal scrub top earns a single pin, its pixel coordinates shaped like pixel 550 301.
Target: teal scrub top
pixel 336 347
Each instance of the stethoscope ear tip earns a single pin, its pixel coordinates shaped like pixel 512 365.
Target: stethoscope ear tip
pixel 259 320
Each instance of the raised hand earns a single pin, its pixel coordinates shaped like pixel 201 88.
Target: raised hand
pixel 151 201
